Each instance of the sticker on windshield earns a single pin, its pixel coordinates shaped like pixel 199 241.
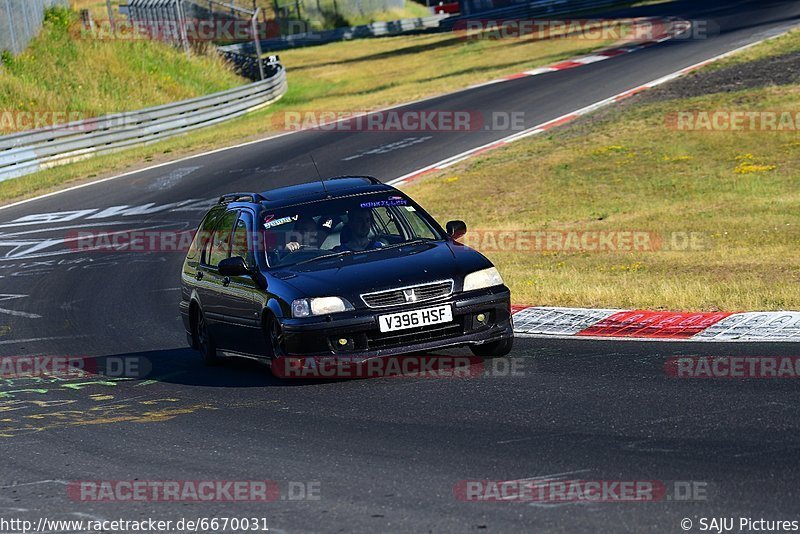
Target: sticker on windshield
pixel 391 201
pixel 270 221
pixel 411 208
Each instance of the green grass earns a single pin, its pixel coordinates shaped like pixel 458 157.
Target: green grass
pixel 60 71
pixel 355 75
pixel 625 170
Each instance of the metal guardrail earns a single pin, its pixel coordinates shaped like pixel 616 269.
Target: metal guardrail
pixel 27 152
pixel 535 8
pixel 375 29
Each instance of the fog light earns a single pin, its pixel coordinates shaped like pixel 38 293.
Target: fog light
pixel 343 342
pixel 481 318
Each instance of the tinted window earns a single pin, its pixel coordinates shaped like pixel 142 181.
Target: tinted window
pixel 204 232
pixel 220 244
pixel 240 246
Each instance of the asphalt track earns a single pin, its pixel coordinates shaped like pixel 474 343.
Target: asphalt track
pixel 387 453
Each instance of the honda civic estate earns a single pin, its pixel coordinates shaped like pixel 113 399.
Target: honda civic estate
pixel 343 267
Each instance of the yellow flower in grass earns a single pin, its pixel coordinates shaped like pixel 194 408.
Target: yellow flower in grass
pixel 669 158
pixel 606 150
pixel 628 268
pixel 748 168
pixel 748 164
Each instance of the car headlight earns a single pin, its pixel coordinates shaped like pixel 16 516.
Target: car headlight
pixel 483 278
pixel 319 306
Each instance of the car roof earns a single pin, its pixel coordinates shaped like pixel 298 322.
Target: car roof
pixel 309 192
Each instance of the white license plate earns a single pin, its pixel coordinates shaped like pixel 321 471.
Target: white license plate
pixel 415 318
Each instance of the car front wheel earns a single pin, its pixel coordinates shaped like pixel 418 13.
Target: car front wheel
pixel 272 333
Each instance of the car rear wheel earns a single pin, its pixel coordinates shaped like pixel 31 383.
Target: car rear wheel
pixel 495 349
pixel 205 343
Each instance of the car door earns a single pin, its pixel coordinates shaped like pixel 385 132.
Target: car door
pixel 213 292
pixel 243 311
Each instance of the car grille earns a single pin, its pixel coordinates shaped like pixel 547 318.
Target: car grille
pixel 408 295
pixel 382 340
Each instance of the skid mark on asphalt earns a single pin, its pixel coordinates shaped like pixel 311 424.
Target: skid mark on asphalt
pixel 390 147
pixel 171 179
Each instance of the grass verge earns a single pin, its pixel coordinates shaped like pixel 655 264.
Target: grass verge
pixel 625 170
pixel 60 71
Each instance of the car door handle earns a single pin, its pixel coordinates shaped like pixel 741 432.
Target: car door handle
pixel 226 281
pixel 199 275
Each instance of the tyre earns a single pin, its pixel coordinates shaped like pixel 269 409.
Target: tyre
pixel 203 340
pixel 272 332
pixel 495 349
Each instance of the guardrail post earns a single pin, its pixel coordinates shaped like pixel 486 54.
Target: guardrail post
pixel 182 34
pixel 111 20
pixel 258 44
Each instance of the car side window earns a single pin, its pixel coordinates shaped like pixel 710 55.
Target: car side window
pixel 241 246
pixel 220 244
pixel 203 235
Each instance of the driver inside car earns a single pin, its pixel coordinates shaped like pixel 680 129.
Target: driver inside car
pixel 355 235
pixel 305 234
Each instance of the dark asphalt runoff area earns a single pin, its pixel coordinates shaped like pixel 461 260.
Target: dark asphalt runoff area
pixel 373 455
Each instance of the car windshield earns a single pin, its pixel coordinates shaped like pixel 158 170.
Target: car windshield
pixel 356 224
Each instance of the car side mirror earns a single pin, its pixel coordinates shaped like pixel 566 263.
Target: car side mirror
pixel 456 229
pixel 233 266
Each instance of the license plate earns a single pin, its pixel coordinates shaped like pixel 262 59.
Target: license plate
pixel 415 318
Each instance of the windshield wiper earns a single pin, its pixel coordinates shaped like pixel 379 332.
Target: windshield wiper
pixel 410 242
pixel 315 258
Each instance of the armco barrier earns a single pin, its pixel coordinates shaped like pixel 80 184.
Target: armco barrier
pixel 375 29
pixel 27 152
pixel 534 8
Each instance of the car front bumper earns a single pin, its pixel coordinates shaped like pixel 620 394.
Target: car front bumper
pixel 320 336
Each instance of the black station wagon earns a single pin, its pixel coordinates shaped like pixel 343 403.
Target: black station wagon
pixel 345 267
